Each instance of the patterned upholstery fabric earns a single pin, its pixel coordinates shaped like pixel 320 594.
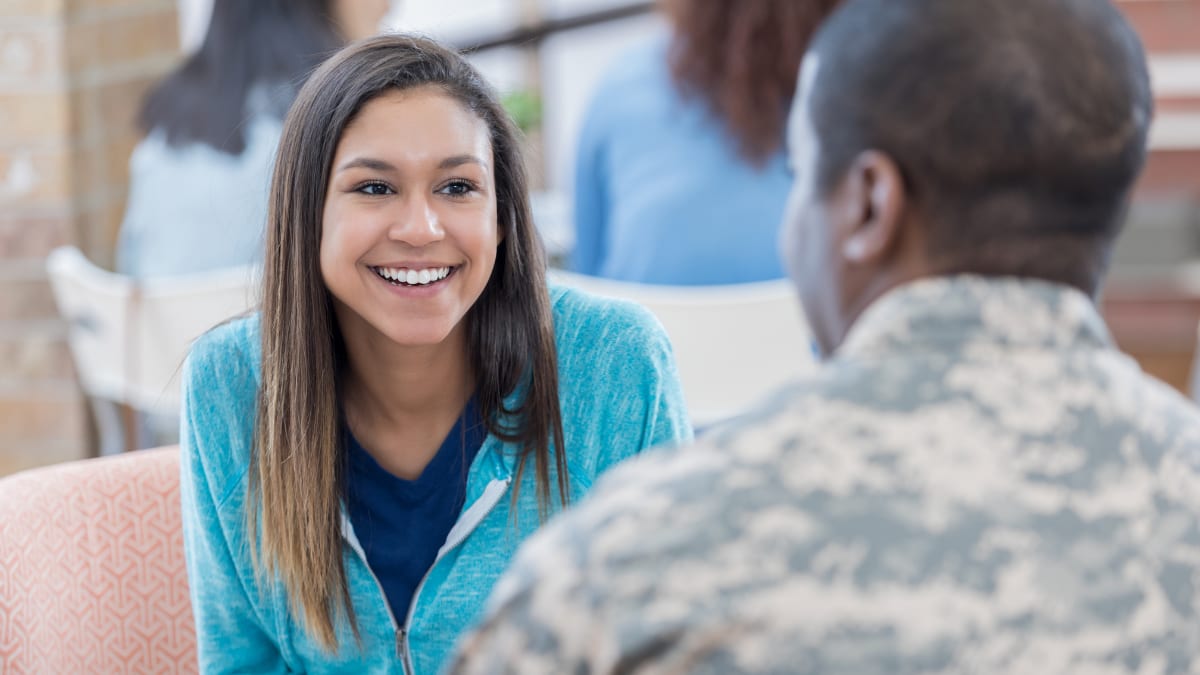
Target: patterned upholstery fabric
pixel 92 575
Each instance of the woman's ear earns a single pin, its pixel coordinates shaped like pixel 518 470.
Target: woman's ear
pixel 874 202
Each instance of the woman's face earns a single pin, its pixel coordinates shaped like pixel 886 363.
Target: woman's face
pixel 358 19
pixel 409 231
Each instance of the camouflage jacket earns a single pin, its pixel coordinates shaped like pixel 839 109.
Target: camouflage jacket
pixel 977 482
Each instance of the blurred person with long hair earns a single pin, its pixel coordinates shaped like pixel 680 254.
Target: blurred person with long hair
pixel 681 176
pixel 362 457
pixel 198 180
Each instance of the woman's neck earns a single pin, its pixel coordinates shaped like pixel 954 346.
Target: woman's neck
pixel 400 402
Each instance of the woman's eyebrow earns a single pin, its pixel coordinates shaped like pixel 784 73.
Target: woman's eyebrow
pixel 382 165
pixel 459 160
pixel 367 163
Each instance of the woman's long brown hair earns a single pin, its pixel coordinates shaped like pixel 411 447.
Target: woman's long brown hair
pixel 297 468
pixel 742 58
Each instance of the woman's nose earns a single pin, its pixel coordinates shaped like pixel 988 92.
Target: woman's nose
pixel 416 223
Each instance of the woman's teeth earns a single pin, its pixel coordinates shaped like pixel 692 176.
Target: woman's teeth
pixel 400 275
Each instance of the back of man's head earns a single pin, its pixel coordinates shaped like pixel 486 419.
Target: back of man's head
pixel 1019 125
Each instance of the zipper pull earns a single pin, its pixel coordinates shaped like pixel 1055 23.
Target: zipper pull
pixel 402 650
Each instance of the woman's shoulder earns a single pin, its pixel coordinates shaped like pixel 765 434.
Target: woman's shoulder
pixel 580 310
pixel 235 338
pixel 649 58
pixel 226 359
pixel 595 333
pixel 156 152
pixel 220 399
pixel 618 382
pixel 643 70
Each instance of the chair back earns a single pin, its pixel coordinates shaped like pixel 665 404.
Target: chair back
pixel 734 344
pixel 128 338
pixel 94 578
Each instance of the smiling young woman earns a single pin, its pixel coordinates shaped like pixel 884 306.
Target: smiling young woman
pixel 363 455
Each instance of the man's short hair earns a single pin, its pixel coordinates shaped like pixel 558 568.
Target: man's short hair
pixel 1019 125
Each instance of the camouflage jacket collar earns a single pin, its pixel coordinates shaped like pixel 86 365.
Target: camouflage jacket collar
pixel 951 313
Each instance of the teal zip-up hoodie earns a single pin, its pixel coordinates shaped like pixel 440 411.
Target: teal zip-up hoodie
pixel 619 393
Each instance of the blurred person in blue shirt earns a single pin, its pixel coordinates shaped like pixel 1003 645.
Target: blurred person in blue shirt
pixel 681 176
pixel 198 180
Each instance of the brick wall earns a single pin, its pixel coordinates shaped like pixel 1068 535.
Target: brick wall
pixel 1156 320
pixel 1170 30
pixel 1165 25
pixel 72 73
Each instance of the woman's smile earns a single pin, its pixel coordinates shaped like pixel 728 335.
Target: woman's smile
pixel 410 276
pixel 415 281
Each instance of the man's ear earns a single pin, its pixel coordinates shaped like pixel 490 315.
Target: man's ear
pixel 875 200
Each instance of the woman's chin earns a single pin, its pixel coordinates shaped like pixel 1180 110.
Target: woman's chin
pixel 420 336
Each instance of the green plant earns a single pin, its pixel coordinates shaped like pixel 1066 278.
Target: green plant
pixel 525 108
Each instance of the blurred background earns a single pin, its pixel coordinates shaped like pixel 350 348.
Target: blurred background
pixel 73 74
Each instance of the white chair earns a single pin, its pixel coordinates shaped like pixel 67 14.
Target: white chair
pixel 129 337
pixel 734 344
pixel 552 215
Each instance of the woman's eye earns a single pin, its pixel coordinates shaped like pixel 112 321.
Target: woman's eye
pixel 374 189
pixel 457 187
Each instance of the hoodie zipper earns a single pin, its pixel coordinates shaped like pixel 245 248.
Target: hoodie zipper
pixel 352 539
pixel 470 519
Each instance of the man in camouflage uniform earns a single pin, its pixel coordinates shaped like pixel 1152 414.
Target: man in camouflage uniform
pixel 976 481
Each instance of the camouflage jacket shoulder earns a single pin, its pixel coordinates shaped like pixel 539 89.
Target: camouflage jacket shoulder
pixel 977 482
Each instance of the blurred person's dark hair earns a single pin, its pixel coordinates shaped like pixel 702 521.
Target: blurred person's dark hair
pixel 742 57
pixel 268 46
pixel 1019 134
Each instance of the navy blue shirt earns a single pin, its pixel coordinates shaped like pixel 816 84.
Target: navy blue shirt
pixel 401 524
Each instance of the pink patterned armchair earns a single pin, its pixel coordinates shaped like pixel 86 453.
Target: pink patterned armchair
pixel 92 575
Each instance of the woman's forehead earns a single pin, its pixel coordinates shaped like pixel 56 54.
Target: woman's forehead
pixel 424 122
